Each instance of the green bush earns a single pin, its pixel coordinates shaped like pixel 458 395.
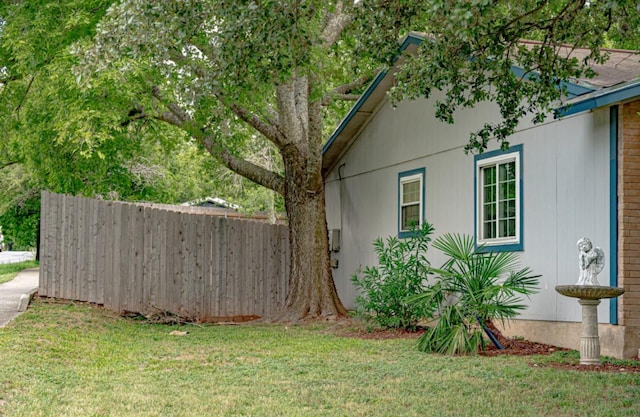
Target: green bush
pixel 401 273
pixel 20 224
pixel 471 289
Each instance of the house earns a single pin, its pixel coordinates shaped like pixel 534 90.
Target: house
pixel 574 176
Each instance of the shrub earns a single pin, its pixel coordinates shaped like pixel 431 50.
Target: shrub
pixel 401 273
pixel 471 289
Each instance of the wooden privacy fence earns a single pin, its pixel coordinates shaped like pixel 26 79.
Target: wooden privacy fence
pixel 147 258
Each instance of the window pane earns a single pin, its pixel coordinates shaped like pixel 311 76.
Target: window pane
pixel 410 216
pixel 503 191
pixel 508 171
pixel 489 230
pixel 511 193
pixel 511 211
pixel 489 175
pixel 502 230
pixel 507 228
pixel 489 212
pixel 502 209
pixel 489 193
pixel 410 192
pixel 511 227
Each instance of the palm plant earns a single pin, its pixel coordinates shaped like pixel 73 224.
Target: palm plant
pixel 472 288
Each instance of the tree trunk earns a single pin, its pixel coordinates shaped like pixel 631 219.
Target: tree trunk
pixel 312 292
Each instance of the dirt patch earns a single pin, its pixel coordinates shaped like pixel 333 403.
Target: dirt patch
pixel 520 347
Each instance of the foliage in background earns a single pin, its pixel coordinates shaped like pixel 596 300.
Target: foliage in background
pixel 402 272
pixel 20 224
pixel 472 288
pixel 61 138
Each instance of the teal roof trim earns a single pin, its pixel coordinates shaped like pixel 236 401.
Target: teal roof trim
pixel 606 98
pixel 356 107
pixel 411 39
pixel 573 90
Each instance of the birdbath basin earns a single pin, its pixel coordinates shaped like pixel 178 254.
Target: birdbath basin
pixel 589 297
pixel 589 292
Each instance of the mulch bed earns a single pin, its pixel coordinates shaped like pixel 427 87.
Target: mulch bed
pixel 513 347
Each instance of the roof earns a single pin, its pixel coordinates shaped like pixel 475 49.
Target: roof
pixel 622 65
pixel 616 80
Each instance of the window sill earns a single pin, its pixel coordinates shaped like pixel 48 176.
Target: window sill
pixel 500 247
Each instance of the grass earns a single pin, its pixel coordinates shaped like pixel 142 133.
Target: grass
pixel 79 360
pixel 9 271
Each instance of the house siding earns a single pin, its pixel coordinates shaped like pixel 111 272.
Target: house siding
pixel 566 188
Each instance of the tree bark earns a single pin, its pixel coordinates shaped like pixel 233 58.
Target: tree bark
pixel 312 292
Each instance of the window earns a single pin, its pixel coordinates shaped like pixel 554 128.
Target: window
pixel 410 200
pixel 498 199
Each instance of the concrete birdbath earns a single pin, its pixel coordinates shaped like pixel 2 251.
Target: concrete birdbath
pixel 589 293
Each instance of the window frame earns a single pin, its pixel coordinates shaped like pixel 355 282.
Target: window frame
pixel 495 158
pixel 403 178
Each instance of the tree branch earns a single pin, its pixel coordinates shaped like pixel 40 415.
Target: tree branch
pixel 285 95
pixel 266 129
pixel 262 176
pixel 347 97
pixel 504 28
pixel 343 91
pixel 249 170
pixel 24 97
pixel 336 23
pixel 175 110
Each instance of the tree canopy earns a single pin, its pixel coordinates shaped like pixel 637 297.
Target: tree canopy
pixel 63 138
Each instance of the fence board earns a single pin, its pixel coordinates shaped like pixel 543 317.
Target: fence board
pixel 144 258
pixel 101 250
pixel 45 239
pixel 173 263
pixel 91 225
pixel 149 262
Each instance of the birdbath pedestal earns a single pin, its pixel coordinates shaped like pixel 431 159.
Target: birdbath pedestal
pixel 589 297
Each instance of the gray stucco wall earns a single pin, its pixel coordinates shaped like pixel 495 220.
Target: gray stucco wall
pixel 566 192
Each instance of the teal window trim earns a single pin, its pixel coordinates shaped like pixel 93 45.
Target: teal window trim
pixel 402 176
pixel 516 244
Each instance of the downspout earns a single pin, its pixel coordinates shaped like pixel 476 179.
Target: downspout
pixel 613 210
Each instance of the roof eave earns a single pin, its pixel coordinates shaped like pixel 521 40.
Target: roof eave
pixel 364 106
pixel 601 98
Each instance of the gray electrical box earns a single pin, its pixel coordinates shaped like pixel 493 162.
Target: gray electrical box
pixel 334 240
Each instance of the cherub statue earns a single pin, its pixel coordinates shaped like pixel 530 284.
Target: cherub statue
pixel 590 261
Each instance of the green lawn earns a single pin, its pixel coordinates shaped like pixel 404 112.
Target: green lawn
pixel 78 360
pixel 9 271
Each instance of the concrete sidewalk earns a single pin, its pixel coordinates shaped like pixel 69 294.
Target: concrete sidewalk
pixel 16 294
